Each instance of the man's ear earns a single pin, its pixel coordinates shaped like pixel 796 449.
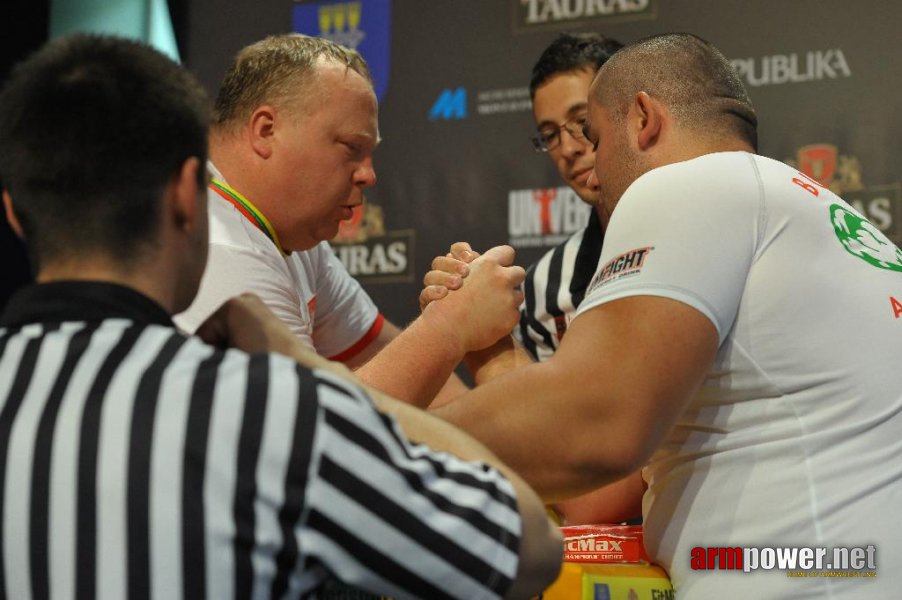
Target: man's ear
pixel 11 215
pixel 261 128
pixel 183 192
pixel 649 119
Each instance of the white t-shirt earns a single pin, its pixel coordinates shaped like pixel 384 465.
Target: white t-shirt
pixel 309 291
pixel 795 438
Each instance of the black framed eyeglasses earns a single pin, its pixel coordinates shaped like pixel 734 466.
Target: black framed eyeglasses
pixel 549 137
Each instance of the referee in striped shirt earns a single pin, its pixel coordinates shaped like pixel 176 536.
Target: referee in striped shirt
pixel 559 89
pixel 136 462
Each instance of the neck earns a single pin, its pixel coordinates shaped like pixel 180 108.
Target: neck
pixel 141 277
pixel 238 167
pixel 603 216
pixel 254 177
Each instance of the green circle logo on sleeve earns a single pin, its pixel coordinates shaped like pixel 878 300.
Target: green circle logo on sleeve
pixel 861 238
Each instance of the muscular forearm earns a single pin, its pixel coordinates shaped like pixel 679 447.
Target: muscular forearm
pixel 503 356
pixel 597 410
pixel 613 503
pixel 453 388
pixel 561 447
pixel 415 365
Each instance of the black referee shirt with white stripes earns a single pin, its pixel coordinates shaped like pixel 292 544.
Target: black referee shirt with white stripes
pixel 136 463
pixel 554 287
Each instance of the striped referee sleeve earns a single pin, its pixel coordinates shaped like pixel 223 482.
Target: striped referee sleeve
pixel 396 518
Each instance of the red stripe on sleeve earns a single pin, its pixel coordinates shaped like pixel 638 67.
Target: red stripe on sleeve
pixel 362 343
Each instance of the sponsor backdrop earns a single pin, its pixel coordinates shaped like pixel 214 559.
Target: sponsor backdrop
pixel 452 76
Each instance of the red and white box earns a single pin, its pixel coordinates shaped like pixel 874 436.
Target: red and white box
pixel 604 544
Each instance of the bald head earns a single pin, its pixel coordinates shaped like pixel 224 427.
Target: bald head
pixel 689 76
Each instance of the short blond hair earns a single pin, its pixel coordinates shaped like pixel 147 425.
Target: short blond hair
pixel 278 70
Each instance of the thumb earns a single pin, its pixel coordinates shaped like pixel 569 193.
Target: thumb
pixel 503 255
pixel 463 251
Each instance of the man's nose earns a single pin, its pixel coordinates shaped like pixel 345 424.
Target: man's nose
pixel 365 175
pixel 572 146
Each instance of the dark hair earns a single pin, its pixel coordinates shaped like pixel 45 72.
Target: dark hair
pixel 569 52
pixel 92 128
pixel 278 69
pixel 688 74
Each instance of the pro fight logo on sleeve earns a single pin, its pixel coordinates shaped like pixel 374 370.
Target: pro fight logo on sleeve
pixel 625 265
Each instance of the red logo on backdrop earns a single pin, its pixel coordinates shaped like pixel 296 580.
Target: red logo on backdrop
pixel 545 197
pixel 818 161
pixel 369 252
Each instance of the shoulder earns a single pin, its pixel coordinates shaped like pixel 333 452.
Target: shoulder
pixel 713 179
pixel 713 168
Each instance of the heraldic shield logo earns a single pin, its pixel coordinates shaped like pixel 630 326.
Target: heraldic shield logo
pixel 364 26
pixel 865 241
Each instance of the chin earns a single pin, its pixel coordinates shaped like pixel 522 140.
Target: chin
pixel 327 235
pixel 587 195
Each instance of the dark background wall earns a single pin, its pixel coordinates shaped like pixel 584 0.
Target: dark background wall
pixel 821 73
pixel 24 30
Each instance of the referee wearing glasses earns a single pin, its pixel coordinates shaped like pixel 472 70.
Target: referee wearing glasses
pixel 556 283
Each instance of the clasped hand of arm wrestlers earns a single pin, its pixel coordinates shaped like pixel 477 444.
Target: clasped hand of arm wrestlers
pixel 617 502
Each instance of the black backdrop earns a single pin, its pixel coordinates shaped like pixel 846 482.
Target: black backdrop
pixel 25 30
pixel 820 72
pixel 456 162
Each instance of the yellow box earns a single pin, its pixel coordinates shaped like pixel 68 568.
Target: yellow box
pixel 596 581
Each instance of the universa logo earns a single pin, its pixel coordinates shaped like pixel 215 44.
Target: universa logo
pixel 544 217
pixel 862 239
pixel 792 68
pixel 843 175
pixel 529 14
pixel 369 253
pixel 451 104
pixel 361 26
